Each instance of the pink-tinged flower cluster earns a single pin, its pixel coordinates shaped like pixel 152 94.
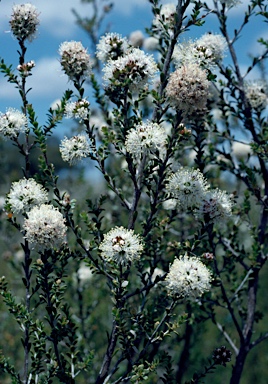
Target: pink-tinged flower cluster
pixel 187 89
pixel 75 60
pixel 25 69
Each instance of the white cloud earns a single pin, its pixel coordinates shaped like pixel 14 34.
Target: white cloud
pixel 234 11
pixel 57 17
pixel 47 78
pixel 128 7
pixel 47 82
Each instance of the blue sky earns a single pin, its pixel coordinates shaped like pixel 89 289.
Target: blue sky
pixel 58 25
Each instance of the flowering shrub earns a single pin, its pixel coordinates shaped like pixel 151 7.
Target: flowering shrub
pixel 112 280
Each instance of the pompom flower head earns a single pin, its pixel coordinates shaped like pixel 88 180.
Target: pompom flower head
pixel 166 18
pixel 208 50
pixel 256 94
pixel 145 138
pixel 187 89
pixel 75 149
pixel 111 46
pixel 132 70
pixel 45 227
pixel 75 60
pixel 188 53
pixel 188 278
pixel 25 194
pixel 188 186
pixel 215 205
pixel 24 21
pixel 121 245
pixel 78 110
pixel 215 44
pixel 12 123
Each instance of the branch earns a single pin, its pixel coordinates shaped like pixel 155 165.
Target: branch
pixel 228 338
pixel 108 356
pixel 223 291
pixel 241 285
pixel 258 341
pixel 227 244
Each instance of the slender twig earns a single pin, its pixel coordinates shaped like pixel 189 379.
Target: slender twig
pixel 243 282
pixel 254 275
pixel 223 291
pixel 259 340
pixel 108 356
pixel 151 339
pixel 27 271
pixel 228 338
pixel 137 192
pixel 227 245
pixel 166 66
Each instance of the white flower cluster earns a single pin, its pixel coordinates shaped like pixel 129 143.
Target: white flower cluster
pixel 188 52
pixel 12 122
pixel 166 17
pixel 75 149
pixel 256 94
pixel 215 44
pixel 45 227
pixel 216 204
pixel 191 190
pixel 134 70
pixel 208 50
pixel 146 138
pixel 188 186
pixel 25 194
pixel 24 21
pixel 121 245
pixel 187 88
pixel 78 110
pixel 75 60
pixel 25 69
pixel 111 46
pixel 188 278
